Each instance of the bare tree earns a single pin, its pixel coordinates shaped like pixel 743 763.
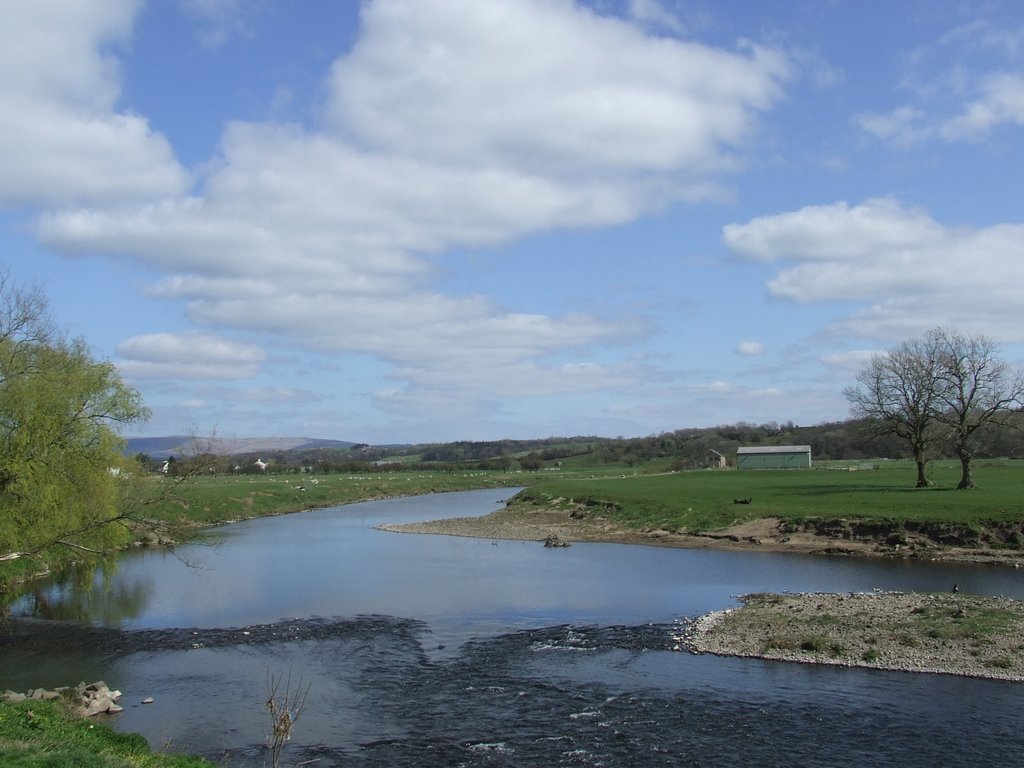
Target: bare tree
pixel 284 706
pixel 975 388
pixel 896 394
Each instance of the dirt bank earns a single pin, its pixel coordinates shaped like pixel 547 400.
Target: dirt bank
pixel 940 633
pixel 766 535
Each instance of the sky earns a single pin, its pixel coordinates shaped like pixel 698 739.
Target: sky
pixel 401 221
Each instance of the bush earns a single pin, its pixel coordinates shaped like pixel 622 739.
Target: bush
pixel 815 644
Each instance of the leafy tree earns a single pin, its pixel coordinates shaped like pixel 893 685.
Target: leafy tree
pixel 975 389
pixel 61 466
pixel 896 394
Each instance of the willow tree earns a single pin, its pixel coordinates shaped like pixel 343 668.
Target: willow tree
pixel 60 453
pixel 896 395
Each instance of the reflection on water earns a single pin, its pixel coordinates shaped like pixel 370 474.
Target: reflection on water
pixel 102 599
pixel 426 650
pixel 332 562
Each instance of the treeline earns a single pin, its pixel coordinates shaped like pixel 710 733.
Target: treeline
pixel 691 448
pixel 849 440
pixel 550 448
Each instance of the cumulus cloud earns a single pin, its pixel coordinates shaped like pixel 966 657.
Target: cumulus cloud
pixel 749 348
pixel 908 271
pixel 439 133
pixel 62 141
pixel 187 356
pixel 450 81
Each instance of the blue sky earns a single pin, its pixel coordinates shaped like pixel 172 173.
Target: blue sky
pixel 433 220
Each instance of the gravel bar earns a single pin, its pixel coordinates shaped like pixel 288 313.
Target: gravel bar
pixel 941 633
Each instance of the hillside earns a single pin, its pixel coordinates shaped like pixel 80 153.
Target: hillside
pixel 184 445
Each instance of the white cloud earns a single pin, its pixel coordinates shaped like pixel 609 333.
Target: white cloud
pixel 829 232
pixel 439 133
pixel 187 356
pixel 907 270
pixel 61 139
pixel 964 86
pixel 451 81
pixel 262 395
pixel 750 348
pixel 903 126
pixel 852 360
pixel 1001 101
pixel 654 13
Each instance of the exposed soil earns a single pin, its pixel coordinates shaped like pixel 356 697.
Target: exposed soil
pixel 764 535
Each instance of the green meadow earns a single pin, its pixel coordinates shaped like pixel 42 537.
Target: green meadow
pixel 224 498
pixel 868 491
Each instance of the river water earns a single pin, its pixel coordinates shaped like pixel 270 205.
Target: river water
pixel 442 651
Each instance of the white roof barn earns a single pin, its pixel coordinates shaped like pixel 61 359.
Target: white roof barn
pixel 773 457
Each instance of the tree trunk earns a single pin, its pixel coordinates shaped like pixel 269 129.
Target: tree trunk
pixel 922 478
pixel 966 477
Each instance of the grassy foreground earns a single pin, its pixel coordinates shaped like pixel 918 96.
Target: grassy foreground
pixel 42 734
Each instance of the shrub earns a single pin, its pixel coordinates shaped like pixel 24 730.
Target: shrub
pixel 815 644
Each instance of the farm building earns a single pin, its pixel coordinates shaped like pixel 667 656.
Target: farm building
pixel 774 457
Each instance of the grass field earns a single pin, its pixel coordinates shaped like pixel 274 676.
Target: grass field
pixel 705 500
pixel 223 498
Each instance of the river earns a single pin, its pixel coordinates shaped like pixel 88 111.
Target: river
pixel 441 651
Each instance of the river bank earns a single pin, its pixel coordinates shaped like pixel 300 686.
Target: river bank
pixel 530 523
pixel 946 633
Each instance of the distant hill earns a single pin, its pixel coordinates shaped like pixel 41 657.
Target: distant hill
pixel 181 445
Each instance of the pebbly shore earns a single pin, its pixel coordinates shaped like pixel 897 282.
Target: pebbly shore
pixel 941 633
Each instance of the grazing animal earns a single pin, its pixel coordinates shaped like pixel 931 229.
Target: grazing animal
pixel 741 501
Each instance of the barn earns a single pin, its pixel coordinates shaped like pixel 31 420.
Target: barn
pixel 774 457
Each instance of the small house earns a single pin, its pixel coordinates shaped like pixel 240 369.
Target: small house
pixel 774 457
pixel 715 459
